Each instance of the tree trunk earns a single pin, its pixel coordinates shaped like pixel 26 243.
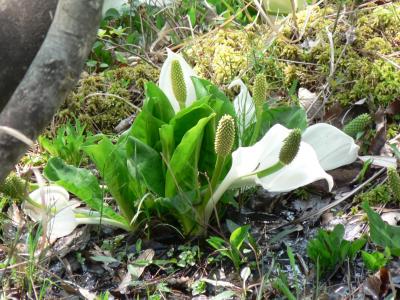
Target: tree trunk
pixel 23 27
pixel 53 73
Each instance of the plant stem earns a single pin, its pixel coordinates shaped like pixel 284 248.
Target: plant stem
pixel 257 129
pixel 219 164
pixel 83 219
pixel 213 200
pixel 268 171
pixel 227 182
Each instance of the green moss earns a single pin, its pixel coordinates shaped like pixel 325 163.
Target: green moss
pixel 225 54
pixel 93 103
pixel 378 195
pixel 379 45
pixel 392 131
pixel 361 70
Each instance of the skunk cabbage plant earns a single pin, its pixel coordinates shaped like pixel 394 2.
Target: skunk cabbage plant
pixel 189 146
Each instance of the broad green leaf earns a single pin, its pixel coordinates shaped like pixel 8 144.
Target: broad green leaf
pixel 226 295
pixel 205 88
pixel 167 142
pixel 111 161
pixel 82 183
pixel 181 208
pixel 238 236
pixel 104 259
pixel 145 163
pixel 221 107
pixel 382 233
pixel 145 128
pixel 188 117
pixel 182 173
pixel 157 103
pixel 220 245
pixel 156 111
pixel 288 116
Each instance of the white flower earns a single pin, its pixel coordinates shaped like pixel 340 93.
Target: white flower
pixel 51 204
pixel 244 107
pixel 165 82
pixel 333 150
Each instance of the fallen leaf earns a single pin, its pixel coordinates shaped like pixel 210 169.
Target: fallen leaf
pixel 372 287
pixel 393 108
pixel 392 218
pixel 379 140
pixel 134 272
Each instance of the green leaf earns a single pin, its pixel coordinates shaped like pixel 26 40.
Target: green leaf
pixel 374 261
pixel 330 250
pixel 224 295
pixel 205 88
pixel 104 259
pixel 181 208
pixel 192 15
pixel 288 116
pixel 157 103
pixel 156 112
pixel 82 183
pixel 182 174
pixel 220 245
pixel 145 128
pixel 167 142
pixel 111 161
pixel 120 57
pixel 188 117
pixel 356 246
pixel 145 163
pixel 238 236
pixel 382 233
pixel 281 286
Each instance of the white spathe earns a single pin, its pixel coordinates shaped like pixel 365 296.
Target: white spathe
pixel 333 147
pixel 244 106
pixel 117 4
pixel 304 169
pixel 246 161
pixel 165 82
pixel 52 204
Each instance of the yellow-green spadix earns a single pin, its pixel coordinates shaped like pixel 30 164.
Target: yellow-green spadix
pixel 175 81
pixel 225 136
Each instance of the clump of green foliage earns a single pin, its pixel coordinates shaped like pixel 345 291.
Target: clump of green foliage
pixel 234 248
pixel 329 250
pixel 93 102
pixel 67 144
